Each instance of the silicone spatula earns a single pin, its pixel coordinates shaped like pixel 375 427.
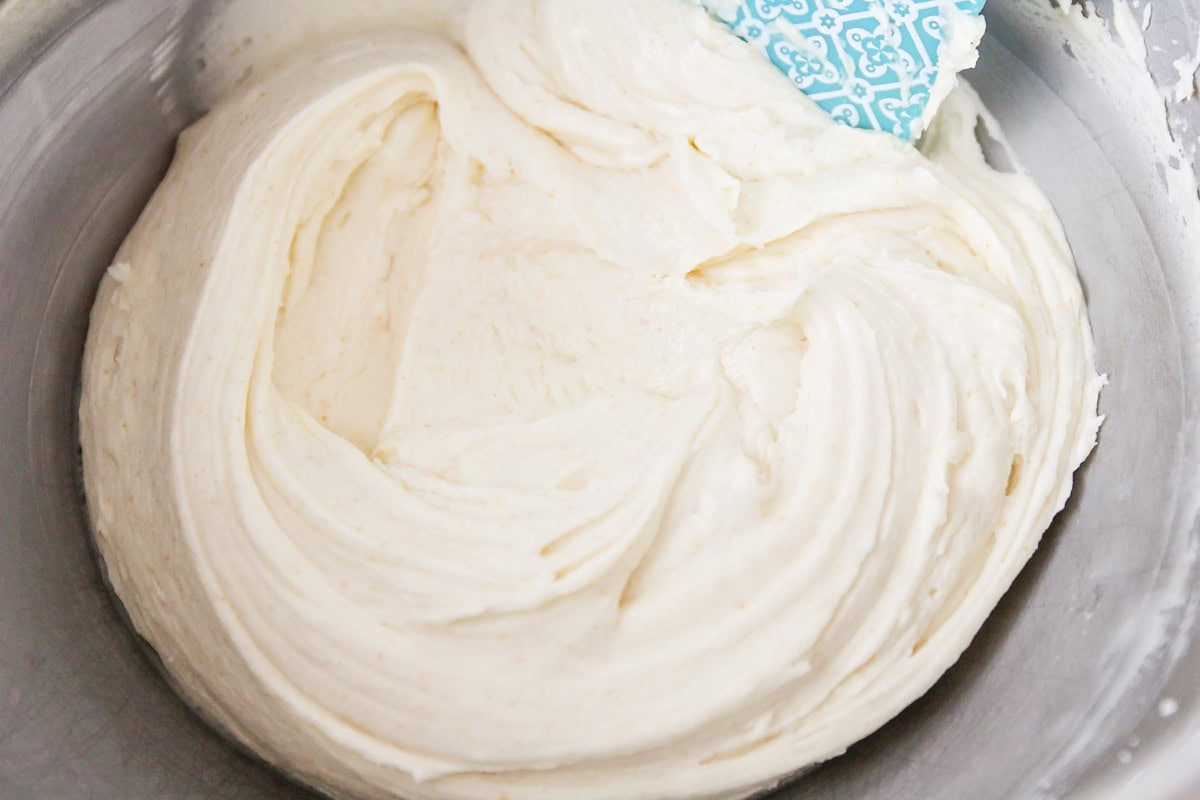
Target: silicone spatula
pixel 882 65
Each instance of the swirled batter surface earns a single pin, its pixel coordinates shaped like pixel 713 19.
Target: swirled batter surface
pixel 560 405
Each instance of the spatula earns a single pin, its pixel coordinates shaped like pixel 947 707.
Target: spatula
pixel 882 65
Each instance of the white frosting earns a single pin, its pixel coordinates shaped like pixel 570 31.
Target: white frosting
pixel 564 414
pixel 959 52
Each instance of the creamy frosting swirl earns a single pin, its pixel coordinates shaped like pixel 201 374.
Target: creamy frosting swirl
pixel 562 406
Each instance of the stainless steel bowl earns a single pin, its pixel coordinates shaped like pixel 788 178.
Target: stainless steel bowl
pixel 1086 683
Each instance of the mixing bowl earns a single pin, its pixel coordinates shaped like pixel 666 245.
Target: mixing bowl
pixel 1085 683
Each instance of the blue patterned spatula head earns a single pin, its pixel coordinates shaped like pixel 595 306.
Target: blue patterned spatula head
pixel 876 64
